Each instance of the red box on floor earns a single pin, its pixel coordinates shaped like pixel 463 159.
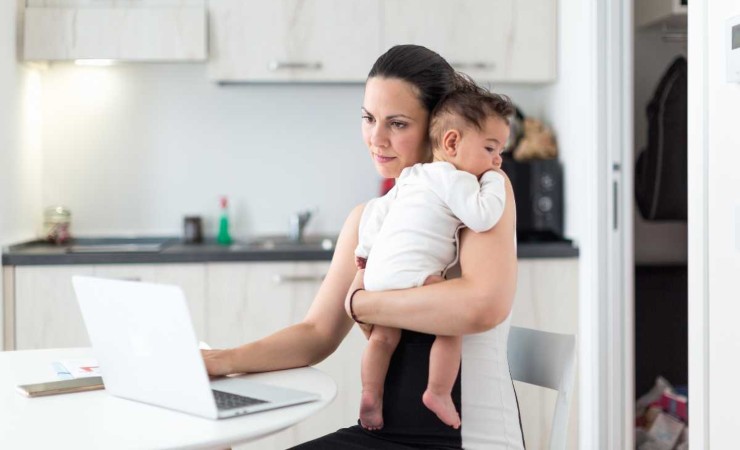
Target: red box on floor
pixel 675 404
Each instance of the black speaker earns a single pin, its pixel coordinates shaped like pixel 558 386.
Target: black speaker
pixel 538 191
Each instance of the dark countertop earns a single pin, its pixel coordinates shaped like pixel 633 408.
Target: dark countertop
pixel 172 250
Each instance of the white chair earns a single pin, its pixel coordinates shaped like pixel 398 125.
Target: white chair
pixel 548 360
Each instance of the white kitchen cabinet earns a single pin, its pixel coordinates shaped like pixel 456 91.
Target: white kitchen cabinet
pixel 547 300
pixel 248 301
pixel 293 40
pixel 143 30
pixel 46 310
pixel 490 40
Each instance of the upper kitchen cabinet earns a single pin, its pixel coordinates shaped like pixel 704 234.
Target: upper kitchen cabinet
pixel 124 30
pixel 490 40
pixel 293 40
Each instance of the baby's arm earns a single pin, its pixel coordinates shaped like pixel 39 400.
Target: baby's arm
pixel 479 205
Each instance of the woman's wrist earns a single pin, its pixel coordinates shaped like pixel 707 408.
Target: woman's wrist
pixel 352 307
pixel 228 359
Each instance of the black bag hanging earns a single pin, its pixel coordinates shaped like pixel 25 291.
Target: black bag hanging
pixel 661 170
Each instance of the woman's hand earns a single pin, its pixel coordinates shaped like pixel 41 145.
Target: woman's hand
pixel 357 283
pixel 218 362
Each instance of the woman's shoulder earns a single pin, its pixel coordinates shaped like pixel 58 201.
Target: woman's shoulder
pixel 434 168
pixel 355 215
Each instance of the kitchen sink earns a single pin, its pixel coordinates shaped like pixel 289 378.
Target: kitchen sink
pixel 118 245
pixel 285 242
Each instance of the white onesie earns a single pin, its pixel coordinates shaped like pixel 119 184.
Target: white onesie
pixel 411 232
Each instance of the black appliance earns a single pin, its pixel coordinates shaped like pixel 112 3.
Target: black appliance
pixel 538 191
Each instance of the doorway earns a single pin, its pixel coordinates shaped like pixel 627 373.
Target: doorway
pixel 660 226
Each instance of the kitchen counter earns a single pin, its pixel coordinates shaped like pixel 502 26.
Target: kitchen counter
pixel 172 250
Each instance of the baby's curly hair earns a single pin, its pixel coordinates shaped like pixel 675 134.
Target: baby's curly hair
pixel 469 105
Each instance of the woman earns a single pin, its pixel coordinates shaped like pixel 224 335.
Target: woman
pixel 403 87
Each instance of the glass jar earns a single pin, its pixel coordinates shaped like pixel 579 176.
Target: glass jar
pixel 57 221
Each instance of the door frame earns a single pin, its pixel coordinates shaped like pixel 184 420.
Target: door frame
pixel 698 196
pixel 611 282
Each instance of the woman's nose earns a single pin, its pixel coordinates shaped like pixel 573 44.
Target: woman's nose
pixel 378 137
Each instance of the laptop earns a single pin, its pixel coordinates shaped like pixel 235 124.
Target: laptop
pixel 143 339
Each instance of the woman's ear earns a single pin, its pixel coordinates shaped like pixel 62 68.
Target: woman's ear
pixel 450 141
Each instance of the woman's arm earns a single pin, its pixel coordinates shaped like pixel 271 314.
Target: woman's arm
pixel 477 301
pixel 313 339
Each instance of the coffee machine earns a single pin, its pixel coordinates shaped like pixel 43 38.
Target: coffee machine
pixel 538 191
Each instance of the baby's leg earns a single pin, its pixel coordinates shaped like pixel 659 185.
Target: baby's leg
pixel 375 361
pixel 444 364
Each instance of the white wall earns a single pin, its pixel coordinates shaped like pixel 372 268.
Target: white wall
pixel 132 148
pixel 655 242
pixel 723 230
pixel 20 160
pixel 571 110
pixel 19 155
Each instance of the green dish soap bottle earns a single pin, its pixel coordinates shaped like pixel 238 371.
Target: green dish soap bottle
pixel 223 224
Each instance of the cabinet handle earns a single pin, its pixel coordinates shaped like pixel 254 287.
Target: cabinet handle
pixel 281 279
pixel 132 278
pixel 473 65
pixel 281 65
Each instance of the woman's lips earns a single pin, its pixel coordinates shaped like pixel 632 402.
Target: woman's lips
pixel 383 159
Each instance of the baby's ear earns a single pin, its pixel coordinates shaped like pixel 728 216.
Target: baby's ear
pixel 450 141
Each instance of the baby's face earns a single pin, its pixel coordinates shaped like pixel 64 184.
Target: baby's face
pixel 480 150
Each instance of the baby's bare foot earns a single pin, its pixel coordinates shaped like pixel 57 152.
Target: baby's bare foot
pixel 442 406
pixel 371 411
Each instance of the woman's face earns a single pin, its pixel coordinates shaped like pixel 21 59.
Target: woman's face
pixel 394 125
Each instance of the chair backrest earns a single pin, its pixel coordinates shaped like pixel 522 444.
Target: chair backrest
pixel 548 360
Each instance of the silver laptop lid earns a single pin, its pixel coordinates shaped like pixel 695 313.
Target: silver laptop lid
pixel 144 341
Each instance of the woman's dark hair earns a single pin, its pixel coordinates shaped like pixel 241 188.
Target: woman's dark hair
pixel 429 73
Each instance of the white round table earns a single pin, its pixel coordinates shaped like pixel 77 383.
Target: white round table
pixel 96 419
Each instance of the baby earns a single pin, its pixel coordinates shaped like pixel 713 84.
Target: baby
pixel 408 237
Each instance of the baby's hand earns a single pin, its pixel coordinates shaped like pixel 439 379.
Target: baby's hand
pixel 360 262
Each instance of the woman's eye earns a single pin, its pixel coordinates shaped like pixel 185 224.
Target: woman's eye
pixel 490 149
pixel 367 119
pixel 398 124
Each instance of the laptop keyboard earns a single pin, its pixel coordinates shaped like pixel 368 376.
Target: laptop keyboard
pixel 225 400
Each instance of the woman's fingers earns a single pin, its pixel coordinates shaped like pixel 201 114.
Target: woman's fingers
pixel 216 362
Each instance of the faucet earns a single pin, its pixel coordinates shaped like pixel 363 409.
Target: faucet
pixel 298 222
